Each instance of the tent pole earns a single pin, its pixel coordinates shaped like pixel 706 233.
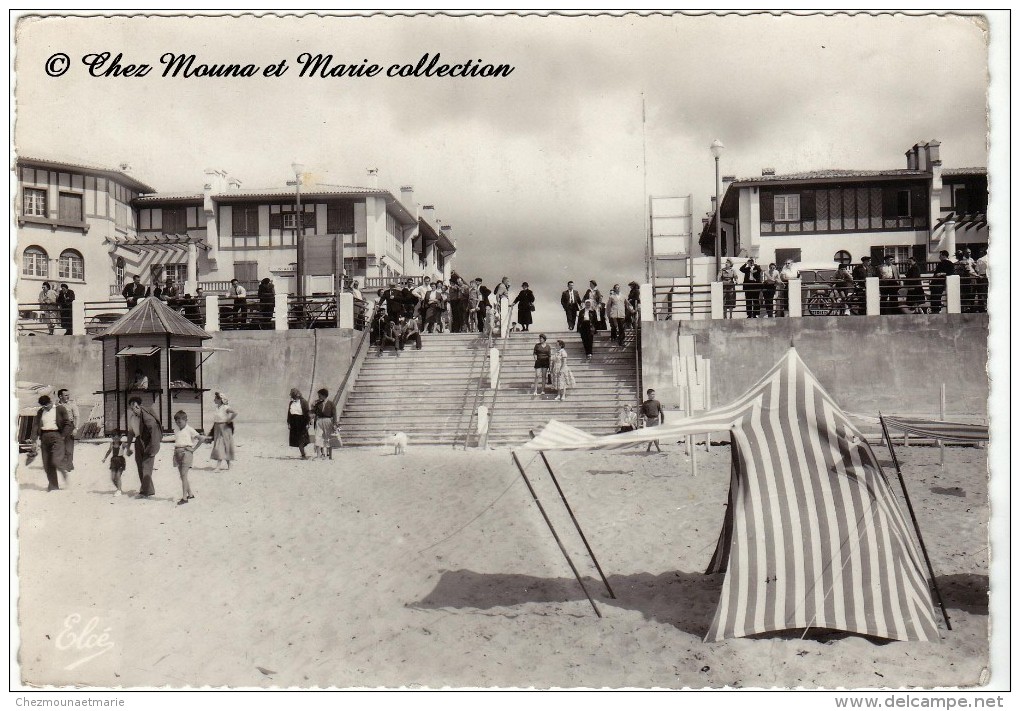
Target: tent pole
pixel 692 445
pixel 942 416
pixel 913 518
pixel 574 519
pixel 563 550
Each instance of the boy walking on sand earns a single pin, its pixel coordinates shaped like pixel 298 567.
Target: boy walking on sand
pixel 186 441
pixel 651 411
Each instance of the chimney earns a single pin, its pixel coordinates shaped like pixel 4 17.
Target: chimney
pixel 216 179
pixel 911 159
pixel 407 198
pixel 233 184
pixel 373 177
pixel 921 149
pixel 125 167
pixel 931 151
pixel 726 179
pixel 429 212
pixel 768 171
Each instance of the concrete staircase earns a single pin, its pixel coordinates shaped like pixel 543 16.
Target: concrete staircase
pixel 431 394
pixel 604 384
pixel 428 394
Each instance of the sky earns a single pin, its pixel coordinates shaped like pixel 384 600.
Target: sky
pixel 544 174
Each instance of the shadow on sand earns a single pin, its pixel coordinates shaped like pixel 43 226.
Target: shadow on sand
pixel 685 600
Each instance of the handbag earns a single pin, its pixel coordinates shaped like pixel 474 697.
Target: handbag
pixel 532 307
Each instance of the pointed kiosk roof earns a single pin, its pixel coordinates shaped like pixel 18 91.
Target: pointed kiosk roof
pixel 152 317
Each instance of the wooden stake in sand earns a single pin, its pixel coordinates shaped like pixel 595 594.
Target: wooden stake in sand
pixel 692 446
pixel 574 519
pixel 563 550
pixel 913 518
pixel 942 416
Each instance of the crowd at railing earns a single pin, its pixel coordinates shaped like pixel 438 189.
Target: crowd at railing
pixel 861 289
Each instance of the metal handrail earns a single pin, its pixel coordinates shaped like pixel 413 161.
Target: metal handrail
pixel 495 386
pixel 340 398
pixel 474 402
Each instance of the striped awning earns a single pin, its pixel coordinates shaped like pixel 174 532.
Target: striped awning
pixel 813 535
pixel 936 429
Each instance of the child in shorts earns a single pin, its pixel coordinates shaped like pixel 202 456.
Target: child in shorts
pixel 117 462
pixel 186 441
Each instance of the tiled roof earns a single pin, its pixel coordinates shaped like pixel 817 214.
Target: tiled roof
pixel 308 190
pixel 112 172
pixel 835 174
pixel 158 197
pixel 152 317
pixel 965 171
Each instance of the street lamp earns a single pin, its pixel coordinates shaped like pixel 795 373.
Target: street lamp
pixel 298 228
pixel 717 148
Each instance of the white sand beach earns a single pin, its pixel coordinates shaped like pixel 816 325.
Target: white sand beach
pixel 436 569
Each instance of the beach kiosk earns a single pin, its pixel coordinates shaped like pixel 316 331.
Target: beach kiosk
pixel 157 354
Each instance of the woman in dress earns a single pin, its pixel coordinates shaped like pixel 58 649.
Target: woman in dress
pixel 324 413
pixel 502 298
pixel 543 354
pixel 728 277
pixel 525 303
pixel 223 431
pixel 562 377
pixel 48 306
pixel 297 420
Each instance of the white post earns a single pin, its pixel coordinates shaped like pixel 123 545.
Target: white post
pixel 493 366
pixel 647 303
pixel 483 420
pixel 345 309
pixel 192 282
pixel 872 296
pixel 953 294
pixel 280 312
pixel 212 313
pixel 717 300
pixel 796 305
pixel 78 317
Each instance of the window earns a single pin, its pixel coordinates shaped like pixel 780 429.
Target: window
pixel 899 252
pixel 177 272
pixel 246 220
pixel 175 221
pixel 118 273
pixel 70 207
pixel 782 254
pixel 290 221
pixel 787 208
pixel 842 257
pixel 35 202
pixel 71 265
pixel 35 262
pixel 903 203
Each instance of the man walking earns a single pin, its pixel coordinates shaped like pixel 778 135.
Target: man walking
pixel 71 427
pixel 49 427
pixel 240 295
pixel 145 431
pixel 653 414
pixel 617 307
pixel 570 300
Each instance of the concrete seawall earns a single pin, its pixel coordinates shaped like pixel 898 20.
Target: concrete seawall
pixel 257 373
pixel 893 364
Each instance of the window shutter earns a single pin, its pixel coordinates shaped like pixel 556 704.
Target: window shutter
pixel 276 220
pixel 877 253
pixel 889 203
pixel 918 201
pixel 347 217
pixel 807 205
pixel 766 205
pixel 308 219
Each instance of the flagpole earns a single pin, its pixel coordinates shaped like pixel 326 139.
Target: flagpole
pixel 563 550
pixel 913 518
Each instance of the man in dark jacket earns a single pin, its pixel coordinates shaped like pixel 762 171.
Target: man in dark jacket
pixel 570 300
pixel 134 291
pixel 944 268
pixel 752 288
pixel 483 303
pixel 65 297
pixel 50 427
pixel 146 432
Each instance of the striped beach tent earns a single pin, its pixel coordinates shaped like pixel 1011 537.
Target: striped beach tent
pixel 813 536
pixel 960 432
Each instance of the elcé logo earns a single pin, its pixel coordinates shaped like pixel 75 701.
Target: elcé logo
pixel 83 639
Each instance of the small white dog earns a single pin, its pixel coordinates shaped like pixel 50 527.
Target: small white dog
pixel 399 441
